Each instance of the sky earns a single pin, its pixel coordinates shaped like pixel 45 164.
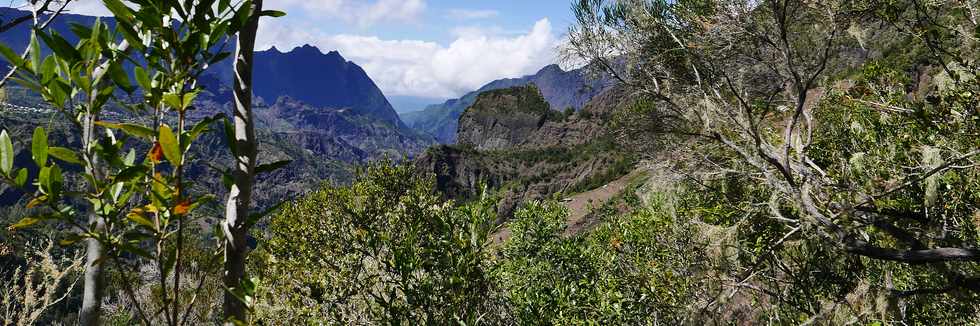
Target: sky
pixel 419 48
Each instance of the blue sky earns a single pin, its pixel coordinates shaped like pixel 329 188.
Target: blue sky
pixel 420 48
pixel 439 18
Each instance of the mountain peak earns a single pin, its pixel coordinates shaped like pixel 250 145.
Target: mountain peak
pixel 551 68
pixel 306 49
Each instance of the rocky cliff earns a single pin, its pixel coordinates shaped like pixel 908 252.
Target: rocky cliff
pixel 561 89
pixel 512 144
pixel 504 118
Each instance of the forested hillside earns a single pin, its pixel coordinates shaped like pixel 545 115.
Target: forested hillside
pixel 744 162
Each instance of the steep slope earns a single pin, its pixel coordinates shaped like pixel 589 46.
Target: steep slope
pixel 321 80
pixel 561 89
pixel 503 118
pixel 509 143
pixel 357 133
pixel 324 113
pixel 304 73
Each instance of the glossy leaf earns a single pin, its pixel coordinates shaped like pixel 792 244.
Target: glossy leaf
pixel 21 179
pixel 118 76
pixel 142 78
pixel 272 13
pixel 170 145
pixel 64 154
pixel 24 223
pixel 6 153
pixel 13 58
pixel 137 216
pixel 60 46
pixel 131 129
pixel 39 146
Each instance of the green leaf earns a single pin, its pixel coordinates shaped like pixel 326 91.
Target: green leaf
pixel 21 179
pixel 140 219
pixel 188 99
pixel 24 223
pixel 50 180
pixel 44 179
pixel 173 100
pixel 35 53
pixel 131 129
pixel 171 147
pixel 118 76
pixel 13 58
pixel 70 239
pixel 142 78
pixel 47 70
pixel 56 180
pixel 202 126
pixel 130 157
pixel 39 146
pixel 119 10
pixel 223 5
pixel 266 168
pixel 6 153
pixel 130 173
pixel 61 47
pixel 65 155
pixel 272 13
pixel 82 31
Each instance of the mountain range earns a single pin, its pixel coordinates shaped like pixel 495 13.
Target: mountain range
pixel 561 89
pixel 304 73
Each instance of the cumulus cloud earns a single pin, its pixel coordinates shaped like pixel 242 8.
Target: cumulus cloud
pixel 466 14
pixel 476 56
pixel 428 69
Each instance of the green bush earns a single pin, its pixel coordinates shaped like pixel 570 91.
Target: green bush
pixel 386 249
pixel 636 268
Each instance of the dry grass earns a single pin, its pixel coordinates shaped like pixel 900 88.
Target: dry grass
pixel 41 283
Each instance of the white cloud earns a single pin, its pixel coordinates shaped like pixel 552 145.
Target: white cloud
pixel 428 69
pixel 476 56
pixel 364 13
pixel 466 14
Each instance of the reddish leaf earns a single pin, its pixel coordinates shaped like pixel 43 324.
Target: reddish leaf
pixel 183 207
pixel 156 153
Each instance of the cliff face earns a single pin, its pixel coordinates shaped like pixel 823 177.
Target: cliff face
pixel 321 80
pixel 519 118
pixel 503 118
pixel 510 142
pixel 344 133
pixel 561 89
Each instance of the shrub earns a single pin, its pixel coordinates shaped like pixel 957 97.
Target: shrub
pixel 385 249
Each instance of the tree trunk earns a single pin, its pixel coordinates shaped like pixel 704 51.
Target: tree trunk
pixel 94 282
pixel 240 196
pixel 94 287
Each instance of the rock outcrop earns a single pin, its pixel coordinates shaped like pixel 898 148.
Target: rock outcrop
pixel 510 142
pixel 561 89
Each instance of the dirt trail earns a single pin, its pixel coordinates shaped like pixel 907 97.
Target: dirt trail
pixel 580 206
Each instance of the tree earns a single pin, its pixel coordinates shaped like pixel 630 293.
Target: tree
pixel 128 208
pixel 244 148
pixel 769 87
pixel 386 249
pixel 39 9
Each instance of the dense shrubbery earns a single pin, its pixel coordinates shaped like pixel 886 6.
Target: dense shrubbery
pixel 386 248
